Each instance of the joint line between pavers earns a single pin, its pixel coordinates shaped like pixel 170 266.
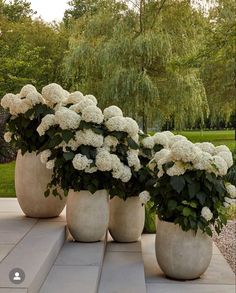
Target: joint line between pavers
pixel 15 244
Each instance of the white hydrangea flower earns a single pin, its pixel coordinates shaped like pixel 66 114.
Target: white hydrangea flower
pixel 206 213
pixel 50 164
pixel 7 136
pixel 179 168
pixel 103 160
pixel 131 126
pixel 73 144
pixel 44 155
pixel 220 165
pixel 112 111
pixel 206 147
pixel 75 98
pixel 47 121
pixel 221 148
pixel 228 201
pixel 53 94
pixel 161 138
pixel 133 159
pixel 227 156
pixel 81 162
pixel 67 119
pixel 169 134
pixel 92 114
pixel 116 123
pixel 126 174
pixel 161 154
pixel 88 137
pixel 79 107
pixel 184 151
pixel 110 142
pixel 21 107
pixel 203 161
pixel 135 138
pixel 144 196
pixel 176 138
pixel 35 98
pixel 231 189
pixel 7 101
pixel 92 98
pixel 27 89
pixel 148 142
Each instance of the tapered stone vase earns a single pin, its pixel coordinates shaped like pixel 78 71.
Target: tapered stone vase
pixel 127 219
pixel 87 215
pixel 31 179
pixel 182 255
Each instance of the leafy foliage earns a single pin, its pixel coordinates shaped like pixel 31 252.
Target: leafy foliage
pixel 180 199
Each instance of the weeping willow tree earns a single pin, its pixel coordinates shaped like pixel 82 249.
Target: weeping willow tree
pixel 128 54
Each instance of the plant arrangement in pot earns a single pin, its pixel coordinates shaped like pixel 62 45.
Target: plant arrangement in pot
pixel 127 212
pixel 85 163
pixel 27 110
pixel 189 197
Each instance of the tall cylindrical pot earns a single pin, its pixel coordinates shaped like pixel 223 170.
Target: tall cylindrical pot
pixel 31 179
pixel 127 219
pixel 182 255
pixel 87 215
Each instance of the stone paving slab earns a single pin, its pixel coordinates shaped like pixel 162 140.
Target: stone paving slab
pixel 71 279
pixel 12 290
pixel 218 276
pixel 10 205
pixel 5 249
pixel 175 288
pixel 13 227
pixel 81 254
pixel 35 254
pixel 123 270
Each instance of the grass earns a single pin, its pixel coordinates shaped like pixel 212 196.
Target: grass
pixel 7 184
pixel 226 137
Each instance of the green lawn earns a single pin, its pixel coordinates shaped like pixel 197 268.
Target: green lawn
pixel 216 137
pixel 7 184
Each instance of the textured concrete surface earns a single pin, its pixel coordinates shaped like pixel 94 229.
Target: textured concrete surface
pixel 122 270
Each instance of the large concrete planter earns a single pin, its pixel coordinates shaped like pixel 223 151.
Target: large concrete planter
pixel 87 215
pixel 31 179
pixel 182 255
pixel 126 219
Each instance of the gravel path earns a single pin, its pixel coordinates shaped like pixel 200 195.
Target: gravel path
pixel 226 242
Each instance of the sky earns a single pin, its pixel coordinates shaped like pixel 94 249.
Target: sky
pixel 49 10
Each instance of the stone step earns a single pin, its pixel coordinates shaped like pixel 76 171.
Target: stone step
pixel 31 245
pixel 77 268
pixel 123 269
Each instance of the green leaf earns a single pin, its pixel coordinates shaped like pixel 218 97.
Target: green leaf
pixel 172 204
pixel 186 211
pixel 208 231
pixel 132 144
pixel 69 156
pixel 67 135
pixel 193 204
pixel 193 188
pixel 201 196
pixel 178 183
pixel 47 193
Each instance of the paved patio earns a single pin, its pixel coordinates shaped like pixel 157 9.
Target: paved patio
pixel 53 263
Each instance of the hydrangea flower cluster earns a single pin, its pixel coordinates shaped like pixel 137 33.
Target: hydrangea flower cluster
pixel 186 156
